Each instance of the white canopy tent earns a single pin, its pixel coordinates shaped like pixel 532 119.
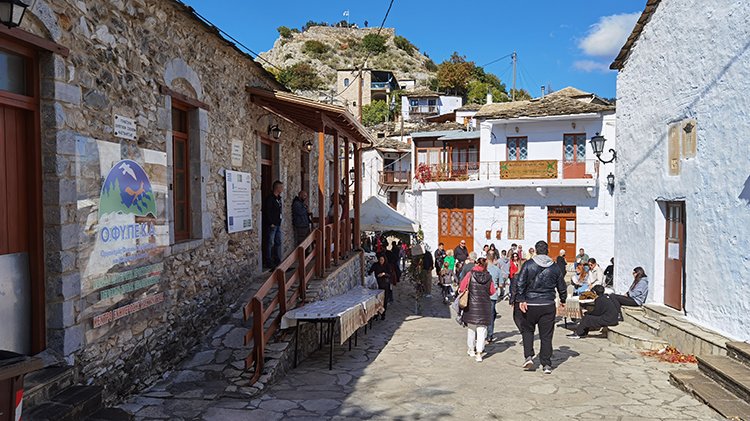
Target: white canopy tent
pixel 375 215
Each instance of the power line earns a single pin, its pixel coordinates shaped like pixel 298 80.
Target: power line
pixel 367 57
pixel 233 39
pixel 496 60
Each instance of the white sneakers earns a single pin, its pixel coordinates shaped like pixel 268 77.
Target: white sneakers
pixel 471 353
pixel 476 355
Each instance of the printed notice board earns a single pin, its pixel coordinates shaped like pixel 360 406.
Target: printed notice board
pixel 239 201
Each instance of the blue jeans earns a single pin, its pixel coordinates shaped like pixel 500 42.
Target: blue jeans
pixel 272 253
pixel 491 328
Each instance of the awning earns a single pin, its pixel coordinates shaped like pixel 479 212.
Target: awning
pixel 312 114
pixel 378 216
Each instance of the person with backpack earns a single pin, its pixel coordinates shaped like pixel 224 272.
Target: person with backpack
pixel 535 295
pixel 477 314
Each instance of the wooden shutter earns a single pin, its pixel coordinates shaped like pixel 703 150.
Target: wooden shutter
pixel 515 222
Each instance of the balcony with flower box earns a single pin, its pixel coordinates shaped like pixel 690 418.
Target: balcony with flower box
pixel 538 174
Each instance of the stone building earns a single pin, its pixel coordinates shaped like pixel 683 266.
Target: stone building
pixel 683 189
pixel 131 132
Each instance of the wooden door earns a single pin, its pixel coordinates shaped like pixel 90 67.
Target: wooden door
pixel 393 199
pixel 574 155
pixel 456 220
pixel 561 231
pixel 21 225
pixel 674 262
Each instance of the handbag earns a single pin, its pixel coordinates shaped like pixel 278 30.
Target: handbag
pixel 463 298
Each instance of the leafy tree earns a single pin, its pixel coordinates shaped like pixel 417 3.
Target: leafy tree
pixel 521 94
pixel 315 48
pixel 404 44
pixel 454 74
pixel 299 77
pixel 477 93
pixel 285 32
pixel 374 43
pixel 375 112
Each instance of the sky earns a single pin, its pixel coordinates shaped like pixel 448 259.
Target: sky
pixel 559 42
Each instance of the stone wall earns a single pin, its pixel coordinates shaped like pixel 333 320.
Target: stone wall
pixel 120 54
pixel 348 275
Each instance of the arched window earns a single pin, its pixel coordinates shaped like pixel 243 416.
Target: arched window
pixel 346 82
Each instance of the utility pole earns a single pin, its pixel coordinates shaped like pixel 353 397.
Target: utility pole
pixel 514 56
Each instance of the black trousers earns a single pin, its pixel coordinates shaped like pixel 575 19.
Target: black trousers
pixel 544 316
pixel 517 316
pixel 589 322
pixel 624 300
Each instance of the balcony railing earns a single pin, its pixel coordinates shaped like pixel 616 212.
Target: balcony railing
pixel 395 178
pixel 423 109
pixel 509 170
pixel 379 85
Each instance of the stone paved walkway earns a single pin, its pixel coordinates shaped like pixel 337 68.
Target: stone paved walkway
pixel 415 367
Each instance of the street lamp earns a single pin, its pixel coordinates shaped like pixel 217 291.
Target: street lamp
pixel 352 174
pixel 11 12
pixel 611 181
pixel 308 146
pixel 274 131
pixel 597 144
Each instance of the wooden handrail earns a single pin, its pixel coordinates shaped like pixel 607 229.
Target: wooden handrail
pixel 308 264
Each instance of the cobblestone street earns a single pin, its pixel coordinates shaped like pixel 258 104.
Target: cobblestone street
pixel 415 367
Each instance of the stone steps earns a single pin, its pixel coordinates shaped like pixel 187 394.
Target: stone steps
pixel 658 311
pixel 740 351
pixel 74 403
pixel 628 335
pixel 729 373
pixel 41 385
pixel 709 392
pixel 637 317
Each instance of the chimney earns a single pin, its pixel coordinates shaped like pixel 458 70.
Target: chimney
pixel 489 97
pixel 542 91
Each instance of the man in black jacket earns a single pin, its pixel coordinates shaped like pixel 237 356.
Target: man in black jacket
pixel 535 295
pixel 272 208
pixel 606 312
pixel 461 253
pixel 300 217
pixel 439 258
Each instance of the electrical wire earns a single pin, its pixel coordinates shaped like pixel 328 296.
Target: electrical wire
pixel 233 39
pixel 367 57
pixel 496 60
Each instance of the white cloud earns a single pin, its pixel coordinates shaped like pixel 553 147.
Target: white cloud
pixel 606 37
pixel 591 66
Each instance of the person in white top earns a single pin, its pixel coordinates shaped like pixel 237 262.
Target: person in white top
pixel 596 274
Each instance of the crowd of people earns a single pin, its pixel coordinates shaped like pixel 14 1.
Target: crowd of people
pixel 533 284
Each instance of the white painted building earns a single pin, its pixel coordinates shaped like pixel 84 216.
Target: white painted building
pixel 386 172
pixel 465 115
pixel 683 188
pixel 421 103
pixel 528 174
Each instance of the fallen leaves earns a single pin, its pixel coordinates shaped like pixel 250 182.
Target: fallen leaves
pixel 670 354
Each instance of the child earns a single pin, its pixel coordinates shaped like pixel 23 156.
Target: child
pixel 447 281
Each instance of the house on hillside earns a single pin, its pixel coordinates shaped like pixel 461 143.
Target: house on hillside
pixel 377 85
pixel 528 174
pixel 386 172
pixel 683 160
pixel 422 103
pixel 465 115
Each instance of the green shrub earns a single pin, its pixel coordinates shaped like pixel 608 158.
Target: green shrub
pixel 375 112
pixel 311 23
pixel 300 77
pixel 404 44
pixel 430 65
pixel 315 48
pixel 284 31
pixel 374 43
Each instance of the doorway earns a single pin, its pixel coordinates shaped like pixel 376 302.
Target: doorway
pixel 456 220
pixel 393 199
pixel 561 230
pixel 268 150
pixel 22 297
pixel 574 156
pixel 674 256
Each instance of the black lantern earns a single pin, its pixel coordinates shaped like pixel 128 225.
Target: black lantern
pixel 352 176
pixel 308 146
pixel 274 131
pixel 11 12
pixel 597 144
pixel 611 181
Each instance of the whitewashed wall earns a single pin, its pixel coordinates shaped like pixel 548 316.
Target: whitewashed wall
pixel 694 68
pixel 448 104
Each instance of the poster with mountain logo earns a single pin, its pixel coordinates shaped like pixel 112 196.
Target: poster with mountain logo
pixel 127 190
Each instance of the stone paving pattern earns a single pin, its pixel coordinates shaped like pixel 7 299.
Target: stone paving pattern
pixel 412 367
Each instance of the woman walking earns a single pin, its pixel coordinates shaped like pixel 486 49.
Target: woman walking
pixel 383 274
pixel 477 315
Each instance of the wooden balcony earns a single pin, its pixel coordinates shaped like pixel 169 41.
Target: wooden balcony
pixel 395 178
pixel 509 170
